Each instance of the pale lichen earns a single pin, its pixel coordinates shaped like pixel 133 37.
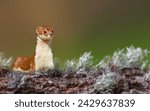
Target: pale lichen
pixel 106 82
pixel 129 57
pixel 126 58
pixel 5 62
pixel 80 65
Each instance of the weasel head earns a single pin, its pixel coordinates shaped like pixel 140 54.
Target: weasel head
pixel 45 33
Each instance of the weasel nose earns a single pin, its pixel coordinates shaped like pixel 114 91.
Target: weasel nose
pixel 52 33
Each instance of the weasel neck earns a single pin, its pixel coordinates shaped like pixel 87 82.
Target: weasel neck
pixel 42 46
pixel 43 42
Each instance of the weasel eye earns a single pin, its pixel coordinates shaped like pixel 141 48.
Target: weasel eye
pixel 45 32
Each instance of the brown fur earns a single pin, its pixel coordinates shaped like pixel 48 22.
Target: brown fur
pixel 25 63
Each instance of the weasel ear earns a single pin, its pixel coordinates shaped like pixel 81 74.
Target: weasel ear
pixel 39 30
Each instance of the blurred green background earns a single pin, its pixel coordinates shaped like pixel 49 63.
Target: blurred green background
pixel 99 26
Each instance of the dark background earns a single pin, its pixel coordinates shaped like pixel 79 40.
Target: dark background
pixel 99 26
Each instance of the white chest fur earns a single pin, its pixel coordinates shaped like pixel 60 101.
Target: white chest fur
pixel 43 56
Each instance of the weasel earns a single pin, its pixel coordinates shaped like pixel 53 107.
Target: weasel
pixel 42 59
